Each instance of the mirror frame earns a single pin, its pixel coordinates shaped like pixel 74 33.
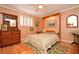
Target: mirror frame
pixel 67 21
pixel 10 16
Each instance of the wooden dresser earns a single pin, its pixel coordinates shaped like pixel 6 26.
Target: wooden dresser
pixel 9 37
pixel 9 32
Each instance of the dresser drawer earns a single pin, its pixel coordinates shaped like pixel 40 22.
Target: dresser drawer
pixel 16 40
pixel 6 36
pixel 16 35
pixel 16 32
pixel 6 33
pixel 0 42
pixel 6 42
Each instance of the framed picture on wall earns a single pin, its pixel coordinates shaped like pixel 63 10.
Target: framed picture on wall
pixel 51 23
pixel 37 24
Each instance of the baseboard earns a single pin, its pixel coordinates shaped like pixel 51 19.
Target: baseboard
pixel 66 41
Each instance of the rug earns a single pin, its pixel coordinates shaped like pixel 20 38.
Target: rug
pixel 56 49
pixel 35 50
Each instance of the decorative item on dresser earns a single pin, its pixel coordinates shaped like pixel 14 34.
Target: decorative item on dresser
pixel 9 32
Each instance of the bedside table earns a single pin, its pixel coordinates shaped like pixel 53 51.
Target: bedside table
pixel 76 37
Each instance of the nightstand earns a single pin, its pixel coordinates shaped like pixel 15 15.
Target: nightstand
pixel 76 38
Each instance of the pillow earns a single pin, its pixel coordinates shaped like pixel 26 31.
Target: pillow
pixel 50 32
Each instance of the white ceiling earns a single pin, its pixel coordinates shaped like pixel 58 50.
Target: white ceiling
pixel 31 8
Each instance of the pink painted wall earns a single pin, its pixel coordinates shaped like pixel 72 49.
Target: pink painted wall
pixel 66 32
pixel 24 30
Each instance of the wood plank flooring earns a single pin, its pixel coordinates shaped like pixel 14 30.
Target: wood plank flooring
pixel 23 49
pixel 16 49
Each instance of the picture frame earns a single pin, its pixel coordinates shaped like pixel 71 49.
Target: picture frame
pixel 4 27
pixel 37 24
pixel 51 23
pixel 31 29
pixel 12 23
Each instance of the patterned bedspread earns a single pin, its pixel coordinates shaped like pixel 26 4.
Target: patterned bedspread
pixel 43 41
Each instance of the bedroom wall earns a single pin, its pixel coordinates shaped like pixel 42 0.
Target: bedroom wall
pixel 66 32
pixel 24 30
pixel 66 35
pixel 53 17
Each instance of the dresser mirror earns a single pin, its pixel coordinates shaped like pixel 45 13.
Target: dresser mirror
pixel 12 23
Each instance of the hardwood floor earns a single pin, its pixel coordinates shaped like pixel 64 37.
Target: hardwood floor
pixel 23 49
pixel 72 49
pixel 16 49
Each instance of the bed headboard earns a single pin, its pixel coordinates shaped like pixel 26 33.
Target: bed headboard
pixel 52 32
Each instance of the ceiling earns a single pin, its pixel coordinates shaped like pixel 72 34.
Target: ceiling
pixel 32 8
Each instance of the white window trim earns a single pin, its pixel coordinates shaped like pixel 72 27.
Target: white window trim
pixel 26 23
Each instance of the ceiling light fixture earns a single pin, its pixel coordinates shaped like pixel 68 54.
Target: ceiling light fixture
pixel 40 6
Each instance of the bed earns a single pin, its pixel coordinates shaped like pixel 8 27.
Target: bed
pixel 43 41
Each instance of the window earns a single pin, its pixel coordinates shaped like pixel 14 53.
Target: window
pixel 21 20
pixel 26 21
pixel 72 21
